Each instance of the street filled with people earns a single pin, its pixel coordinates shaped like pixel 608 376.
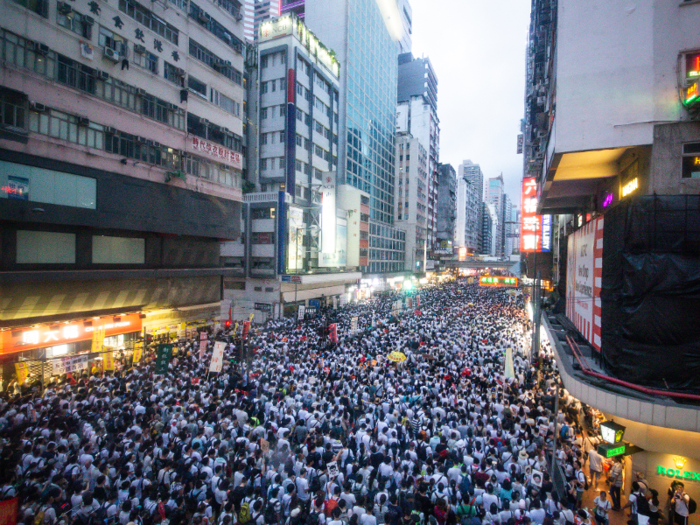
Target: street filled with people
pixel 305 427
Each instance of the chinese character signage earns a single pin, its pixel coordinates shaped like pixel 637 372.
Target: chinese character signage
pixel 163 356
pixel 498 281
pixel 217 357
pixel 43 336
pixel 220 153
pixel 535 230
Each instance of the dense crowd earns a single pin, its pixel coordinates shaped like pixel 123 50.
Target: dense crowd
pixel 300 429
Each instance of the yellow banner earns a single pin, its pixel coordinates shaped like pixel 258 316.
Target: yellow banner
pixel 98 337
pixel 235 328
pixel 251 317
pixel 22 370
pixel 138 352
pixel 108 361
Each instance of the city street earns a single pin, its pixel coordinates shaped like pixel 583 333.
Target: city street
pixel 412 414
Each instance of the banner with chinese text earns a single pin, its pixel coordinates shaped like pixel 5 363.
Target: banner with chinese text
pixel 535 230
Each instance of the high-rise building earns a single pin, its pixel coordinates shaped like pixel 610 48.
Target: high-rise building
pixel 472 173
pixel 446 210
pixel 468 229
pixel 494 195
pixel 365 40
pixel 121 153
pixel 506 212
pixel 417 115
pixel 406 14
pixel 257 12
pixel 295 221
pixel 486 230
pixel 495 220
pixel 613 152
pixel 411 202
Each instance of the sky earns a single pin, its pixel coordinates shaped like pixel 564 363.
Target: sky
pixel 477 49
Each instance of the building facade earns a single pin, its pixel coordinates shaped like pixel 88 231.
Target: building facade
pixel 366 44
pixel 447 210
pixel 486 231
pixel 122 152
pixel 295 222
pixel 416 114
pixel 411 202
pixel 257 12
pixel 614 160
pixel 472 173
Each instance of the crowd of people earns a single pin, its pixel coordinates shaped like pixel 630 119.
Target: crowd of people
pixel 301 429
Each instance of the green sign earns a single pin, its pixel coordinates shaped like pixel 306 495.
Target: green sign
pixel 163 356
pixel 610 451
pixel 680 474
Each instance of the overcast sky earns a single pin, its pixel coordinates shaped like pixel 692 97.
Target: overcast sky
pixel 477 48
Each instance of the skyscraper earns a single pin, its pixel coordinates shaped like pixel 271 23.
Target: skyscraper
pixel 472 173
pixel 417 115
pixel 447 208
pixel 365 40
pixel 494 195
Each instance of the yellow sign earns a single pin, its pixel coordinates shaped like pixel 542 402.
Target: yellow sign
pixel 138 352
pixel 22 370
pixel 108 361
pixel 251 317
pixel 630 187
pixel 235 328
pixel 98 338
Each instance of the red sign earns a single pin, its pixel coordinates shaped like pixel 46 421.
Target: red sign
pixel 8 511
pixel 333 332
pixel 218 152
pixel 46 335
pixel 530 222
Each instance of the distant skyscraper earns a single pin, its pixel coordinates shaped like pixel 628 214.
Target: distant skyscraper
pixel 447 204
pixel 417 115
pixel 411 199
pixel 256 12
pixel 365 38
pixel 472 173
pixel 406 14
pixel 494 195
pixel 486 230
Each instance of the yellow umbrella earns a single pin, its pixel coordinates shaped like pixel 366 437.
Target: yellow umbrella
pixel 396 357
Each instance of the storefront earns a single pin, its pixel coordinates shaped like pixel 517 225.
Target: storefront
pixel 57 348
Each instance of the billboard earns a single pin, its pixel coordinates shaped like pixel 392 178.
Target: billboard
pixel 295 243
pixel 443 247
pixel 584 272
pixel 535 230
pixel 328 214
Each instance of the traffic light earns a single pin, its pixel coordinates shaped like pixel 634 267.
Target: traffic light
pixel 228 324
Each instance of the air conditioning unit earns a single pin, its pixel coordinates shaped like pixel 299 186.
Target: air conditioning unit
pixel 139 49
pixel 102 75
pixel 239 16
pixel 150 143
pixel 541 101
pixel 83 121
pixel 203 121
pixel 141 92
pixel 42 49
pixel 64 8
pixel 37 106
pixel 179 72
pixel 88 20
pixel 110 130
pixel 111 54
pixel 202 17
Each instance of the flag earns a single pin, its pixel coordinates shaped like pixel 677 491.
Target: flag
pixel 108 363
pixel 246 329
pixel 333 332
pixel 163 355
pixel 22 370
pixel 251 317
pixel 8 511
pixel 509 372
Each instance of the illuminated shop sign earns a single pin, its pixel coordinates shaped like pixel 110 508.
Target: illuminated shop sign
pixel 692 65
pixel 677 473
pixel 630 187
pixel 610 451
pixel 535 230
pixel 46 335
pixel 611 432
pixel 498 281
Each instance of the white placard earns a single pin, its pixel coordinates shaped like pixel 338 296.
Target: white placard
pixel 217 358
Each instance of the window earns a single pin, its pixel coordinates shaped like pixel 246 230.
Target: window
pixel 263 138
pixel 307 144
pixel 197 86
pixel 300 115
pixel 108 39
pixel 213 26
pixel 173 74
pixel 73 21
pixel 263 113
pixel 35 247
pixel 318 150
pixel 40 7
pixel 318 126
pixel 263 61
pixel 13 109
pixel 222 66
pixel 146 60
pixel 227 104
pixel 150 20
pixel 75 75
pixel 263 87
pixel 298 165
pixel 300 89
pixel 299 140
pixel 274 85
pixel 213 171
pixel 118 250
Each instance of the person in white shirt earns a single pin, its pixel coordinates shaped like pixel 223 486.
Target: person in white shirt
pixel 602 507
pixel 595 465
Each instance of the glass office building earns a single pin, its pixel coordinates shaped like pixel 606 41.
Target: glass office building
pixel 368 53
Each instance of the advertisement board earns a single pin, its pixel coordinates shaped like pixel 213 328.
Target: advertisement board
pixel 535 230
pixel 295 244
pixel 584 270
pixel 328 214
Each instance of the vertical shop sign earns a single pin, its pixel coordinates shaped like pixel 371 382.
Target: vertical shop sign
pixel 163 355
pixel 138 352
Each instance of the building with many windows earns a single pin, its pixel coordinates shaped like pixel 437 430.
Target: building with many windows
pixel 486 230
pixel 295 219
pixel 471 173
pixel 447 210
pixel 412 199
pixel 121 152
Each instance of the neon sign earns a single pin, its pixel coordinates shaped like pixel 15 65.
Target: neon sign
pixel 608 200
pixel 497 280
pixel 692 65
pixel 677 473
pixel 630 187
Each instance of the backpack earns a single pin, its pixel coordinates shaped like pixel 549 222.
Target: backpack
pixel 329 506
pixel 564 432
pixel 312 519
pixel 314 484
pixel 422 452
pixel 270 512
pixel 39 517
pixel 692 506
pixel 244 513
pixel 464 485
pixel 643 505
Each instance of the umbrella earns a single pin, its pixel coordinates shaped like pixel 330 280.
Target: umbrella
pixel 396 357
